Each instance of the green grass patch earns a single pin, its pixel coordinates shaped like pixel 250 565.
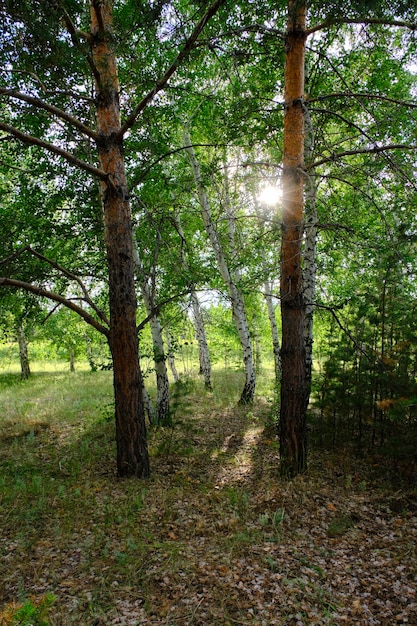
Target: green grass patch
pixel 213 537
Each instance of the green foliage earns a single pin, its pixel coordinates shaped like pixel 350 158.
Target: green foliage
pixel 33 612
pixel 360 95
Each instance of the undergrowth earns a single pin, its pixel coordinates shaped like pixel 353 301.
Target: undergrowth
pixel 214 537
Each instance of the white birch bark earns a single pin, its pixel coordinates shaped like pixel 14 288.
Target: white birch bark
pixel 276 347
pixel 149 407
pixel 71 359
pixel 170 356
pixel 23 352
pixel 236 297
pixel 162 382
pixel 231 223
pixel 309 254
pixel 203 349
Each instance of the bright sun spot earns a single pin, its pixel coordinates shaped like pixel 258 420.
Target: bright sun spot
pixel 270 194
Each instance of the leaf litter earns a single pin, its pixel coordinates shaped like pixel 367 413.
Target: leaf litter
pixel 215 537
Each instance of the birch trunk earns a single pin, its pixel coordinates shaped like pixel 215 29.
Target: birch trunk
pixel 162 413
pixel 236 298
pixel 203 349
pixel 23 352
pixel 149 407
pixel 163 416
pixel 132 451
pixel 293 444
pixel 276 348
pixel 310 263
pixel 71 359
pixel 170 356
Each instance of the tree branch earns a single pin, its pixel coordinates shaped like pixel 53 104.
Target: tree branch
pixel 251 28
pixel 374 150
pixel 71 276
pixel 156 309
pixel 182 55
pixel 50 295
pixel 40 104
pixel 380 21
pixel 34 141
pixel 344 329
pixel 75 35
pixel 142 175
pixel 369 96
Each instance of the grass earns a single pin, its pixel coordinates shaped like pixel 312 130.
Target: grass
pixel 214 537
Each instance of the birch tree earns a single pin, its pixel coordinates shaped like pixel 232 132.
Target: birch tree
pixel 162 412
pixel 235 294
pixel 203 349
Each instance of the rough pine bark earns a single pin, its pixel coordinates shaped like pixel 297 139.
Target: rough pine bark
pixel 132 452
pixel 293 443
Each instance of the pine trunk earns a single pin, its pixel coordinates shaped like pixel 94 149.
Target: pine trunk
pixel 293 443
pixel 132 452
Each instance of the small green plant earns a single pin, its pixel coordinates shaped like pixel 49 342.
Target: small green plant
pixel 239 500
pixel 275 520
pixel 33 612
pixel 271 563
pixel 340 525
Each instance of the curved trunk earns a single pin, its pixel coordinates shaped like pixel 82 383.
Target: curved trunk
pixel 236 298
pixel 132 452
pixel 293 443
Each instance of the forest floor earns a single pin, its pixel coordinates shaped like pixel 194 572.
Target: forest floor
pixel 214 537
